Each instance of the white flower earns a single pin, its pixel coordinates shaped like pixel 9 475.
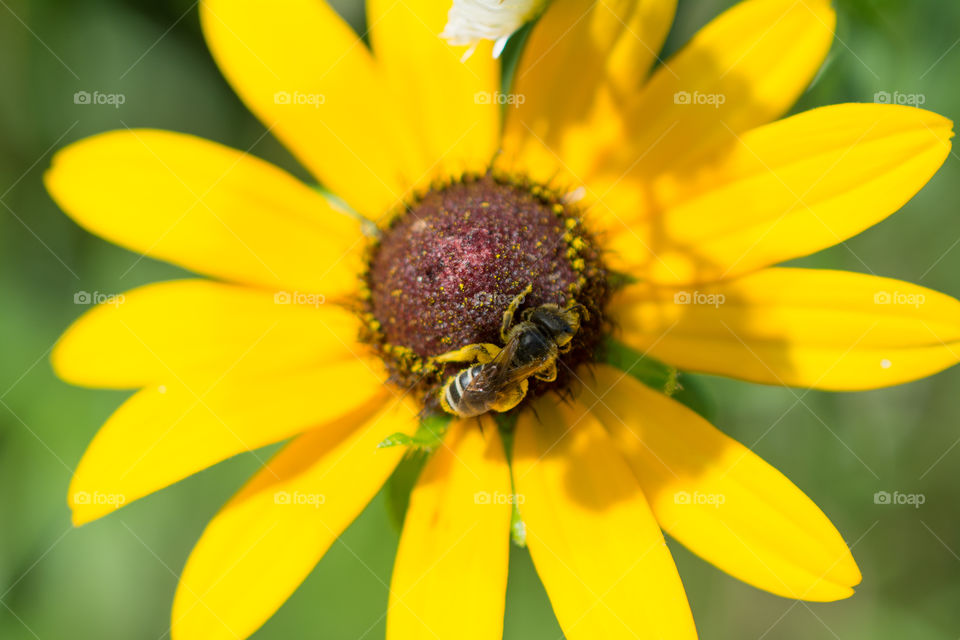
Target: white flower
pixel 470 21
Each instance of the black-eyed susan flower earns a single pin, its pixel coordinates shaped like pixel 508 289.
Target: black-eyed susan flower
pixel 659 200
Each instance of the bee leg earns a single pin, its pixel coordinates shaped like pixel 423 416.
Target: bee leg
pixel 548 373
pixel 580 309
pixel 512 309
pixel 510 397
pixel 480 352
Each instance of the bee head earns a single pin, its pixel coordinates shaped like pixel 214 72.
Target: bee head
pixel 559 324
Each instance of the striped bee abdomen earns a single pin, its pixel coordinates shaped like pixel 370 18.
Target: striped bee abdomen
pixel 453 393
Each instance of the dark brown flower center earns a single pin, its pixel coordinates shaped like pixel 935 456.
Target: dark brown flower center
pixel 446 268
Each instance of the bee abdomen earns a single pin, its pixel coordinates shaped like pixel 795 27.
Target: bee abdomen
pixel 453 393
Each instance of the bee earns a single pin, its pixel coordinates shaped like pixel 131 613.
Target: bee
pixel 500 379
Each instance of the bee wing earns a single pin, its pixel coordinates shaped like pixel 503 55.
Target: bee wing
pixel 502 371
pixel 495 374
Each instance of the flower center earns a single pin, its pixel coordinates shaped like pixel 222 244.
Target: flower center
pixel 446 269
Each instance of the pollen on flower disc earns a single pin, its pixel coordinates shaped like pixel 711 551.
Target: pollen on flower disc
pixel 445 271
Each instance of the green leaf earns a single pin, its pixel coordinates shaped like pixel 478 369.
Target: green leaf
pixel 428 437
pixel 666 379
pixel 506 424
pixel 647 370
pixel 399 485
pixel 420 445
pixel 617 280
pixel 518 528
pixel 693 393
pixel 511 56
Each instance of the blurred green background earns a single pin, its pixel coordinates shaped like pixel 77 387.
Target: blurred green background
pixel 115 578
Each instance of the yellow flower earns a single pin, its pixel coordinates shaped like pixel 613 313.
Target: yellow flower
pixel 689 183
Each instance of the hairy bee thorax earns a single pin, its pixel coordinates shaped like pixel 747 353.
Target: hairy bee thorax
pixel 448 264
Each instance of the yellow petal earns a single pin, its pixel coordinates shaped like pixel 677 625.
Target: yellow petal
pixel 718 498
pixel 450 575
pixel 167 432
pixel 269 536
pixel 592 537
pixel 786 190
pixel 799 327
pixel 169 330
pixel 582 62
pixel 208 208
pixel 312 82
pixel 450 103
pixel 744 69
